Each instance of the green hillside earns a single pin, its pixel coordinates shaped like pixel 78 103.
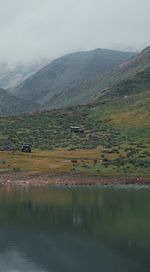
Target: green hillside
pixel 116 134
pixel 11 104
pixel 132 77
pixel 70 80
pixel 116 124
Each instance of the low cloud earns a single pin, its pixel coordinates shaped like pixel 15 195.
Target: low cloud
pixel 31 29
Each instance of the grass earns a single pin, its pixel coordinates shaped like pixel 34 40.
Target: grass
pixel 45 161
pixel 115 142
pixel 124 161
pixel 128 111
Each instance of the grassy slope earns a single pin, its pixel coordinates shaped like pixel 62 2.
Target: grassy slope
pixel 131 78
pixel 116 141
pixel 10 104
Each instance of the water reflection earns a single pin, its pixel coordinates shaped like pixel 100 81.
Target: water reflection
pixel 58 229
pixel 15 261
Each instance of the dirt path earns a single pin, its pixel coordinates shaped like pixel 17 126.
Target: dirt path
pixel 24 179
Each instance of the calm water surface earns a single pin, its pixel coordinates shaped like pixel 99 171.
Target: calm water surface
pixel 73 230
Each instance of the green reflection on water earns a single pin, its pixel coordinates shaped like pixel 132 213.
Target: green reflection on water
pixel 80 229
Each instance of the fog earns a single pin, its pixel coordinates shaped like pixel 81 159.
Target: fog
pixel 35 29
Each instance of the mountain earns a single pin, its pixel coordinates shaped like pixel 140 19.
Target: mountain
pixel 82 78
pixel 131 78
pixel 115 122
pixel 12 75
pixel 11 104
pixel 70 80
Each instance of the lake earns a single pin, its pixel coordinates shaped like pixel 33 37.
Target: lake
pixel 89 229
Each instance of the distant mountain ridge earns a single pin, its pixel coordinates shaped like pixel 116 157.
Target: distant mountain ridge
pixel 70 80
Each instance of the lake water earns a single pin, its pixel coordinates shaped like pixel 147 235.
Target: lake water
pixel 75 229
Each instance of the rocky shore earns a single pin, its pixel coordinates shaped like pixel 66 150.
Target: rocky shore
pixel 24 179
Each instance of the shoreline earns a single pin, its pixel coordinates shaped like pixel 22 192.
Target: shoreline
pixel 26 179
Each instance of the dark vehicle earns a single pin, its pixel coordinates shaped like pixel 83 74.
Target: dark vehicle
pixel 76 129
pixel 26 148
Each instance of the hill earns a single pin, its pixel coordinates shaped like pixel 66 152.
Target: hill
pixel 132 77
pixel 69 80
pixel 11 104
pixel 116 138
pixel 115 142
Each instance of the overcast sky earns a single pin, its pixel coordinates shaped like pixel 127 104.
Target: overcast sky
pixel 31 29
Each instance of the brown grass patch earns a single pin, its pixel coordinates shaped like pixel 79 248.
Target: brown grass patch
pixel 44 161
pixel 135 119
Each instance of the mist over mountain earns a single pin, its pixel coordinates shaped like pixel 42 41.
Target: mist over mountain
pixel 69 80
pixel 29 29
pixel 13 74
pixel 98 76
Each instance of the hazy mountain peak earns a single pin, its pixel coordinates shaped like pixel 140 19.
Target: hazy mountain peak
pixel 79 78
pixel 69 80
